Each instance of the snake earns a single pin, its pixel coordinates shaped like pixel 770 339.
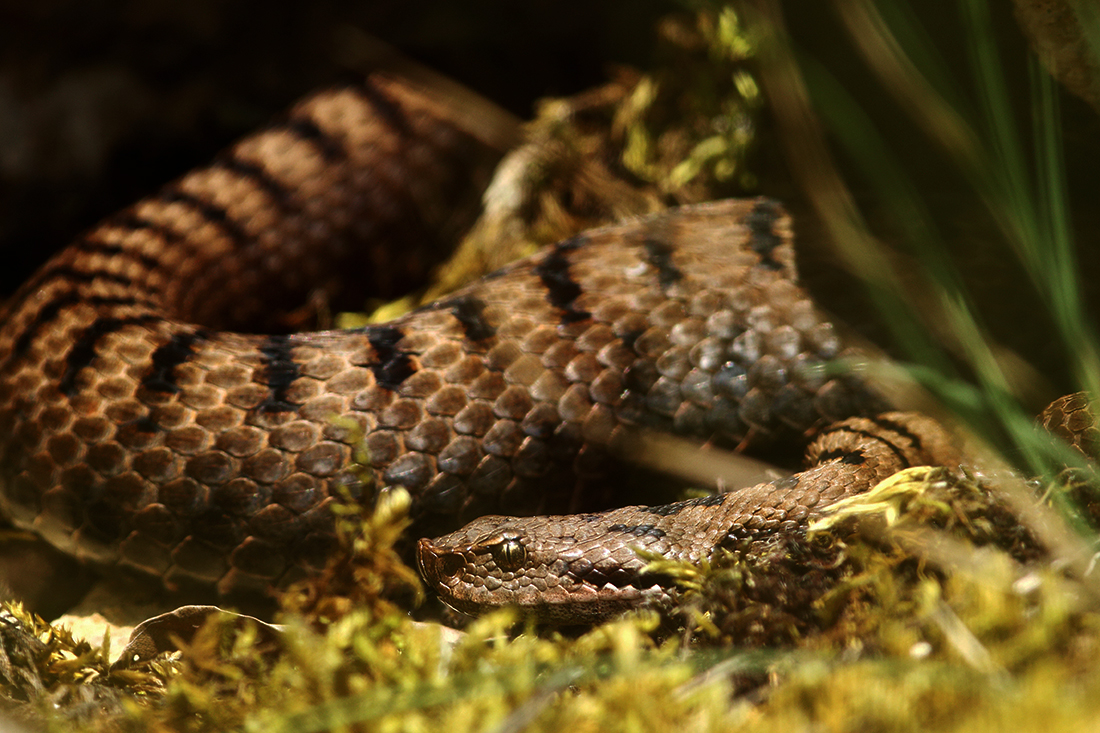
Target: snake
pixel 157 418
pixel 585 568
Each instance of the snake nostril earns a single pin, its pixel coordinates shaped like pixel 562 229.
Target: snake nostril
pixel 437 564
pixel 450 565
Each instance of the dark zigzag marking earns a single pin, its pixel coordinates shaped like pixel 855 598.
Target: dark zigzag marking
pixel 70 274
pixel 384 106
pixel 279 372
pixel 562 290
pixel 394 365
pixel 761 223
pixel 126 220
pixel 50 272
pixel 130 220
pixel 469 311
pixel 116 251
pixel 209 211
pixel 888 424
pixel 50 311
pixel 866 434
pixel 658 253
pixel 668 510
pixel 84 346
pixel 848 457
pixel 386 109
pixel 307 130
pixel 87 244
pixel 44 315
pixel 275 189
pixel 179 349
pixel 638 530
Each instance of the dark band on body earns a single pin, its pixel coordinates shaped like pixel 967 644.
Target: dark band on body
pixel 130 220
pixel 469 311
pixel 669 510
pixel 658 252
pixel 116 251
pixel 384 107
pixel 178 350
pixel 562 290
pixel 393 366
pixel 307 130
pixel 279 372
pixel 638 530
pixel 67 299
pixel 279 194
pixel 903 459
pixel 208 210
pixel 761 223
pixel 892 425
pixel 847 457
pixel 86 345
pixel 69 274
pixel 125 220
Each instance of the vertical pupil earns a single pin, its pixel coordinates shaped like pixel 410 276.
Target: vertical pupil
pixel 509 554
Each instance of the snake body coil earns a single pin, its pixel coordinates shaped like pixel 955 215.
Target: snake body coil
pixel 131 435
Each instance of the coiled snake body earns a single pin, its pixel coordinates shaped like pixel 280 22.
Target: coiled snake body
pixel 130 435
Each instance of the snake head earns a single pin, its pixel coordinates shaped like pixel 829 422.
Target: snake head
pixel 561 569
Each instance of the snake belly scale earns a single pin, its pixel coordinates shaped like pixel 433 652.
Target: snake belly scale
pixel 142 424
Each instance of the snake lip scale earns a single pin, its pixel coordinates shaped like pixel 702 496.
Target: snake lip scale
pixel 146 423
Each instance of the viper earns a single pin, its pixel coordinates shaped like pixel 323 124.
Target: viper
pixel 154 416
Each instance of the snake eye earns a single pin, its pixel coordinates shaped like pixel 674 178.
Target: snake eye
pixel 509 554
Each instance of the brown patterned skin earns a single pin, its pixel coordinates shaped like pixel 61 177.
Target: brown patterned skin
pixel 1073 419
pixel 585 568
pixel 131 435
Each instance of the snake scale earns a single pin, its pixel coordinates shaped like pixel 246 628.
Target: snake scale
pixel 143 425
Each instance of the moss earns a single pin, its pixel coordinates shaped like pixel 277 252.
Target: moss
pixel 867 624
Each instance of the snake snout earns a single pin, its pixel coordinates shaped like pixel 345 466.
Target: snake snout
pixel 438 567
